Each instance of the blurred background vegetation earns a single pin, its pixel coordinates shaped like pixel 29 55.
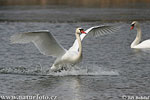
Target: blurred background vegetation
pixel 79 3
pixel 74 10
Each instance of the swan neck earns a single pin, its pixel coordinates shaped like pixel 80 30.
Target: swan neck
pixel 138 37
pixel 80 45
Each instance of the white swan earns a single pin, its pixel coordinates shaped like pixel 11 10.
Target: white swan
pixel 136 43
pixel 47 44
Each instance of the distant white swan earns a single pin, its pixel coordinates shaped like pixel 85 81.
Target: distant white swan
pixel 47 44
pixel 136 43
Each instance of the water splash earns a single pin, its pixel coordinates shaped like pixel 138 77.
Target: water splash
pixel 21 70
pixel 85 70
pixel 73 71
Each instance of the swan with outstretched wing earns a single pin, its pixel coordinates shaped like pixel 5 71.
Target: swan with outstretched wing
pixel 48 45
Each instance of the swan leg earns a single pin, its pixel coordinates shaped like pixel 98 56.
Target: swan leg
pixel 65 67
pixel 54 68
pixel 57 68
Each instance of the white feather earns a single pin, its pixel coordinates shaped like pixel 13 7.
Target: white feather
pixel 95 32
pixel 43 40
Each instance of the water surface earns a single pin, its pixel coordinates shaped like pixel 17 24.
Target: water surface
pixel 109 70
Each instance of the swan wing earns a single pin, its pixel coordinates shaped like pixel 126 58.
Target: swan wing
pixel 95 32
pixel 43 40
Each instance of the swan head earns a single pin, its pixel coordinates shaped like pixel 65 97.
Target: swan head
pixel 134 24
pixel 80 31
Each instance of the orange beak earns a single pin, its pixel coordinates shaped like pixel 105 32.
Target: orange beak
pixel 83 32
pixel 132 27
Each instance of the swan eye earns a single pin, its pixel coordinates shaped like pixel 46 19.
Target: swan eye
pixel 132 25
pixel 81 29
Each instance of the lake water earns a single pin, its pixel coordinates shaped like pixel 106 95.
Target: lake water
pixel 110 69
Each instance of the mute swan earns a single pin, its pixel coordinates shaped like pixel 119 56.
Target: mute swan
pixel 136 43
pixel 47 44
